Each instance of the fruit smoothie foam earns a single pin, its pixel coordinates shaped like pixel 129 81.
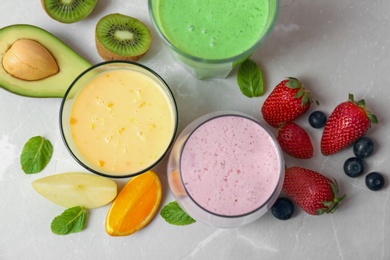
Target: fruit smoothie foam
pixel 230 165
pixel 216 29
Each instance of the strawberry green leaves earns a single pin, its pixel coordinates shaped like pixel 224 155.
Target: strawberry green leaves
pixel 175 215
pixel 36 154
pixel 71 220
pixel 250 79
pixel 362 104
pixel 304 95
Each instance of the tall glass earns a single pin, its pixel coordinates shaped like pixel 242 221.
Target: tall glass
pixel 211 37
pixel 226 169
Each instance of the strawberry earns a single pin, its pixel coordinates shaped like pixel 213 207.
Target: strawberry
pixel 311 191
pixel 295 141
pixel 287 101
pixel 349 121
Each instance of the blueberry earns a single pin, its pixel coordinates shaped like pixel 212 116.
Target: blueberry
pixel 363 147
pixel 353 167
pixel 375 181
pixel 282 209
pixel 317 119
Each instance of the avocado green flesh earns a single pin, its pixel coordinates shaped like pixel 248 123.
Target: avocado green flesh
pixel 69 62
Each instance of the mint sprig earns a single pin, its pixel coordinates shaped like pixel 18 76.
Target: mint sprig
pixel 36 154
pixel 175 215
pixel 250 79
pixel 71 220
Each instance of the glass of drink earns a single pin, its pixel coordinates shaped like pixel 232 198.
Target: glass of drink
pixel 118 119
pixel 226 169
pixel 211 37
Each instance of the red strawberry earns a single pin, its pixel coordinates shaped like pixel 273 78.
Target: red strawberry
pixel 311 191
pixel 349 121
pixel 295 141
pixel 287 101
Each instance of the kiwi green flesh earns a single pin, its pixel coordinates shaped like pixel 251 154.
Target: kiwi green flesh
pixel 70 63
pixel 123 35
pixel 69 11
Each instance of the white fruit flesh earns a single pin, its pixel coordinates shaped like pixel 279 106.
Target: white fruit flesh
pixel 77 189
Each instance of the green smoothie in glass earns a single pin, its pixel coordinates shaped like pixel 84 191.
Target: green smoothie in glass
pixel 212 36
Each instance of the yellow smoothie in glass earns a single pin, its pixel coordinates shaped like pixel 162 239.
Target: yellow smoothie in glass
pixel 122 121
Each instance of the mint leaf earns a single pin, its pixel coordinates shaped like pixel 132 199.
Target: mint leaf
pixel 71 220
pixel 250 79
pixel 175 215
pixel 36 154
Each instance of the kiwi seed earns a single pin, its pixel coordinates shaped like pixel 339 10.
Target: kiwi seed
pixel 68 11
pixel 121 37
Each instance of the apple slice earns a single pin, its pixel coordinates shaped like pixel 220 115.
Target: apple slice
pixel 77 189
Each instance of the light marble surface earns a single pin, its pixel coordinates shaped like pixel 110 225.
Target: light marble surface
pixel 334 47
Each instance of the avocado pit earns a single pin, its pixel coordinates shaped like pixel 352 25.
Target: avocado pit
pixel 29 60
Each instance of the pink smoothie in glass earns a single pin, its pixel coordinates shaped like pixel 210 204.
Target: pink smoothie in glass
pixel 230 165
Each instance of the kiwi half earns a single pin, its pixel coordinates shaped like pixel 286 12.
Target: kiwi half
pixel 121 37
pixel 68 11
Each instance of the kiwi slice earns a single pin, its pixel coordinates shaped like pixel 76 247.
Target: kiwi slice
pixel 68 11
pixel 121 37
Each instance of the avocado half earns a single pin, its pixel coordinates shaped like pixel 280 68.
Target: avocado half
pixel 69 62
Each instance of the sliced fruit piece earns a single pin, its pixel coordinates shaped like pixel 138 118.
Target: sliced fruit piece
pixel 69 63
pixel 176 184
pixel 121 37
pixel 68 11
pixel 76 189
pixel 135 206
